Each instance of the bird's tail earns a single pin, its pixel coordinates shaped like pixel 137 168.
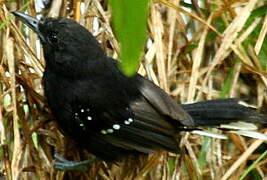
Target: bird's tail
pixel 229 114
pixel 222 111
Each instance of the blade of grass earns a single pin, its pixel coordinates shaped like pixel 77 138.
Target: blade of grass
pixel 227 84
pixel 203 153
pixel 253 165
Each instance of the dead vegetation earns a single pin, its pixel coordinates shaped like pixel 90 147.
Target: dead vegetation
pixel 213 50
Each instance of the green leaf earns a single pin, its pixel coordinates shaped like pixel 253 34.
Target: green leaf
pixel 219 25
pixel 255 175
pixel 7 21
pixel 251 40
pixel 263 55
pixel 227 84
pixel 206 144
pixel 259 12
pixel 171 165
pixel 191 47
pixel 129 19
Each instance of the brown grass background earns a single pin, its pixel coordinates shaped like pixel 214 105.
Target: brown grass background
pixel 191 57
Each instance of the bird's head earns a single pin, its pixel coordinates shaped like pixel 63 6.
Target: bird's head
pixel 67 45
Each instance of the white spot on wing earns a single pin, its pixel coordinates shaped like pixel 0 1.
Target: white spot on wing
pixel 129 121
pixel 110 131
pixel 81 124
pixel 89 118
pixel 126 122
pixel 82 110
pixel 103 131
pixel 116 126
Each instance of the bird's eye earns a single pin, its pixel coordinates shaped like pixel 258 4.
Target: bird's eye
pixel 53 39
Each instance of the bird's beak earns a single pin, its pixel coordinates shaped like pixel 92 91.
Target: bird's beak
pixel 31 22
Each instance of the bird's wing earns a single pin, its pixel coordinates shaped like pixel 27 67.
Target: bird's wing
pixel 163 103
pixel 156 119
pixel 137 127
pixel 157 98
pixel 141 124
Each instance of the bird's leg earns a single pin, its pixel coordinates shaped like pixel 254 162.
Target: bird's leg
pixel 65 165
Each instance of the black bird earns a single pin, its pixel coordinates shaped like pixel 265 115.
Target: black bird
pixel 108 113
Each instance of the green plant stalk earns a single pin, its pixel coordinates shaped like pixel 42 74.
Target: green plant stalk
pixel 253 165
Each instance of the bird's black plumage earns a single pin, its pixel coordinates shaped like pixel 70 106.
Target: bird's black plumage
pixel 107 112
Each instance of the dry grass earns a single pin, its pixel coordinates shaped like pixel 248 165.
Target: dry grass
pixel 204 54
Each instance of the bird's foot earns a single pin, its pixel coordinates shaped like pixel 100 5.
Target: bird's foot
pixel 65 165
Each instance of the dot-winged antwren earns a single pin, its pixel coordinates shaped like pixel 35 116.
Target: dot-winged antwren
pixel 108 113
